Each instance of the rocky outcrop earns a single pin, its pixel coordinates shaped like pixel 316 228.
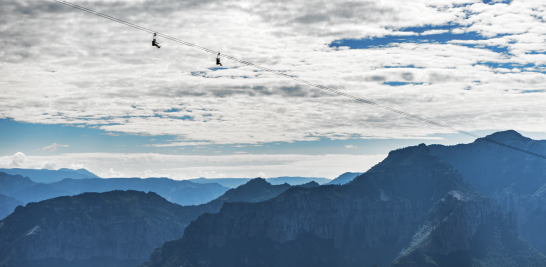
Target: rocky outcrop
pixel 493 244
pixel 117 227
pixel 365 222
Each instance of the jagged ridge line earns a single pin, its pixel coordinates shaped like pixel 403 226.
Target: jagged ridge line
pixel 297 79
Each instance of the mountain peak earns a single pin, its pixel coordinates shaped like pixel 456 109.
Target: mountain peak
pixel 509 135
pixel 258 180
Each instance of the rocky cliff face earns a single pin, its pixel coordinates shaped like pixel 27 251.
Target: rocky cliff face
pixel 516 180
pixel 119 228
pixel 365 222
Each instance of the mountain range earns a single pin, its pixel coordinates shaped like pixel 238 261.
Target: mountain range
pixel 413 209
pixel 181 192
pixel 234 182
pixel 468 205
pixel 50 176
pixel 116 228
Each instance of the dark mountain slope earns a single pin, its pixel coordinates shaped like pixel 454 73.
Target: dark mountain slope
pixel 494 244
pixel 7 205
pixel 255 190
pixel 365 222
pixel 117 228
pixel 345 178
pixel 516 180
pixel 50 176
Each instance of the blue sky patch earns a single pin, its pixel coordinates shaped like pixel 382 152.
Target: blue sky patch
pixel 530 67
pixel 400 83
pixel 439 38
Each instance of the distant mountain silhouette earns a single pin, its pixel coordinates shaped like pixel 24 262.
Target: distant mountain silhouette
pixel 7 205
pixel 345 178
pixel 411 202
pixel 50 176
pixel 117 228
pixel 234 182
pixel 181 192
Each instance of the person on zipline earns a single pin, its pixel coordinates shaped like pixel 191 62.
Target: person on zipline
pixel 218 60
pixel 155 43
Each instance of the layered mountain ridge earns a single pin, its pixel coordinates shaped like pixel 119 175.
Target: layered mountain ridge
pixel 411 202
pixel 50 176
pixel 95 229
pixel 179 192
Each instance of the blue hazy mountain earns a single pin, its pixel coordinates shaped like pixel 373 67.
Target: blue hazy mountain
pixel 8 205
pixel 234 182
pixel 410 207
pixel 345 178
pixel 181 192
pixel 50 176
pixel 117 228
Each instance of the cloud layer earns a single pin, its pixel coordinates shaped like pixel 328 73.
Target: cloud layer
pixel 62 66
pixel 109 165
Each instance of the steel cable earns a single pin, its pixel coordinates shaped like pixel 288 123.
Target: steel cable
pixel 297 79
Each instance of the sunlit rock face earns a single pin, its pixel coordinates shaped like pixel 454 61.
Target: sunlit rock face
pixel 117 228
pixel 412 201
pixel 517 181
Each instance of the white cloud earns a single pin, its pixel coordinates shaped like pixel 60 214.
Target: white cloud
pixel 49 166
pixel 53 147
pixel 238 105
pixel 178 144
pixel 351 146
pixel 149 173
pixel 190 166
pixel 434 32
pixel 111 174
pixel 18 160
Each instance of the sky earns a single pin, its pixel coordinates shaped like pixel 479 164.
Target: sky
pixel 80 91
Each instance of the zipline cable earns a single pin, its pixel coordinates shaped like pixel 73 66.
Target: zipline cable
pixel 297 79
